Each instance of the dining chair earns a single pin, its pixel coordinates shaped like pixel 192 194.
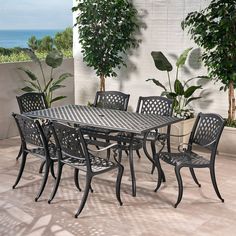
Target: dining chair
pixel 31 102
pixel 74 152
pixel 206 133
pixel 34 142
pixel 108 100
pixel 155 105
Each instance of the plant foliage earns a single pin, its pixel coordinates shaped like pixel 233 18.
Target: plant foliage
pixel 180 92
pixel 214 29
pixel 106 31
pixel 45 84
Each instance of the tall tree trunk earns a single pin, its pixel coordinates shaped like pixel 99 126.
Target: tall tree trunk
pixel 231 112
pixel 102 83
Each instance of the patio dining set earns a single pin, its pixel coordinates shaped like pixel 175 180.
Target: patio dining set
pixel 78 136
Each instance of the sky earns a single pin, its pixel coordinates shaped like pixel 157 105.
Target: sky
pixel 35 14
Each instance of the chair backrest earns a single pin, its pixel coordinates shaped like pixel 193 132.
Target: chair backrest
pixel 70 141
pixel 156 105
pixel 207 130
pixel 112 100
pixel 31 102
pixel 30 130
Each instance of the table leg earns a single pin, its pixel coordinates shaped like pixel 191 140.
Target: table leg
pixel 131 163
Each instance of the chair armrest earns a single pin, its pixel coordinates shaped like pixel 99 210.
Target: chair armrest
pixel 104 149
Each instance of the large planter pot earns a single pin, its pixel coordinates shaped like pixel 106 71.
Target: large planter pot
pixel 181 128
pixel 227 144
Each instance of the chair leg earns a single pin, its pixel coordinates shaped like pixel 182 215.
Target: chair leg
pixel 159 171
pixel 76 179
pixel 180 185
pixel 85 196
pixel 138 153
pixel 213 179
pixel 153 147
pixel 41 166
pixel 22 166
pixel 59 171
pixel 52 170
pixel 194 177
pixel 20 152
pixel 44 181
pixel 118 183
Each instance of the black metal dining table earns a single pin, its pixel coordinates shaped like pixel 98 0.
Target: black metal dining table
pixel 121 121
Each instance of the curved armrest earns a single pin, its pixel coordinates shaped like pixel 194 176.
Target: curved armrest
pixel 103 149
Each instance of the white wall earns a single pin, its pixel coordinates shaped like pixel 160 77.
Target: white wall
pixel 11 80
pixel 162 33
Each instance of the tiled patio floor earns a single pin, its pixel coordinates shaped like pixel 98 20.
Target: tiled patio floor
pixel 148 214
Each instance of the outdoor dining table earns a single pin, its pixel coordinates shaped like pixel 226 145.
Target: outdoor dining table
pixel 131 123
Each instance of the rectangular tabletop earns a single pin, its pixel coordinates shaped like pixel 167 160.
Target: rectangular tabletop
pixel 105 118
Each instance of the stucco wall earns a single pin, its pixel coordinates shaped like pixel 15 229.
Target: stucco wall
pixel 162 33
pixel 12 79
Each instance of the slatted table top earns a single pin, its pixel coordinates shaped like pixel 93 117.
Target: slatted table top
pixel 105 118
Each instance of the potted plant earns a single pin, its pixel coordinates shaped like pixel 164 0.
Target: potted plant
pixel 213 29
pixel 45 84
pixel 106 31
pixel 181 92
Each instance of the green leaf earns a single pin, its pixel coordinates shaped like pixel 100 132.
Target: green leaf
pixel 55 87
pixel 58 98
pixel 191 99
pixel 169 95
pixel 157 83
pixel 62 78
pixel 183 57
pixel 32 55
pixel 189 92
pixel 179 89
pixel 48 85
pixel 27 89
pixel 161 62
pixel 33 85
pixel 54 58
pixel 31 75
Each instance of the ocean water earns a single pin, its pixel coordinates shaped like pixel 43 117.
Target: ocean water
pixel 19 38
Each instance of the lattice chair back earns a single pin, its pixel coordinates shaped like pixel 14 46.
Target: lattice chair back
pixel 112 100
pixel 70 141
pixel 30 131
pixel 156 105
pixel 31 102
pixel 207 131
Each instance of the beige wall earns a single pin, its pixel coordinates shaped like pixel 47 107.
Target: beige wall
pixel 11 80
pixel 162 33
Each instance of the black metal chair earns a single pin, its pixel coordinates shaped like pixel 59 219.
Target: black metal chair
pixel 156 105
pixel 206 133
pixel 34 142
pixel 108 100
pixel 73 151
pixel 111 100
pixel 31 102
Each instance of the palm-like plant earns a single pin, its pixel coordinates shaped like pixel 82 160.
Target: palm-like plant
pixel 45 84
pixel 180 92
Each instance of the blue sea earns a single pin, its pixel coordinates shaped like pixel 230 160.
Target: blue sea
pixel 19 38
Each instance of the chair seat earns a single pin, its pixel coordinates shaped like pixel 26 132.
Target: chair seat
pixel 97 163
pixel 185 159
